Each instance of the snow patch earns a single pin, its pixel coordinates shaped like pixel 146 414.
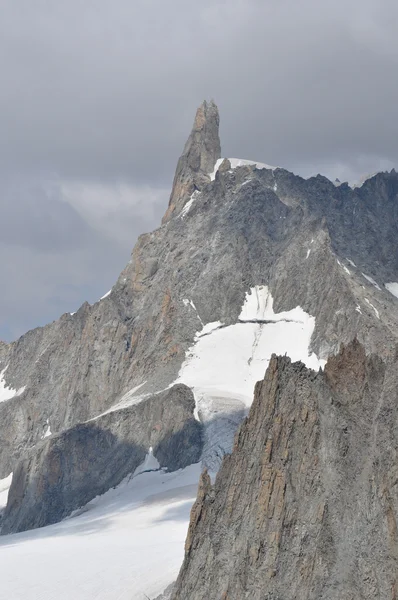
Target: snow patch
pixel 4 489
pixel 392 287
pixel 6 391
pixel 308 253
pixel 128 399
pixel 351 263
pixel 343 267
pixel 188 205
pixel 188 302
pixel 372 281
pixel 240 162
pixel 47 432
pixel 246 182
pixel 374 308
pixel 105 295
pixel 358 308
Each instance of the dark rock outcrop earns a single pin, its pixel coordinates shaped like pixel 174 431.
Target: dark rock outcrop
pixel 306 507
pixel 67 470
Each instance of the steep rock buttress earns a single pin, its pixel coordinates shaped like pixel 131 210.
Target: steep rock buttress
pixel 201 152
pixel 306 506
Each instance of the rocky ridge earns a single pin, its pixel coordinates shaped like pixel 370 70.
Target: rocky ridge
pixel 306 505
pixel 223 234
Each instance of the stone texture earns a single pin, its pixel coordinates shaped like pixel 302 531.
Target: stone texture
pixel 234 236
pixel 67 470
pixel 166 594
pixel 306 506
pixel 201 153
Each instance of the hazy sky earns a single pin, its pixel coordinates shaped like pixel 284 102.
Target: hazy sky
pixel 98 97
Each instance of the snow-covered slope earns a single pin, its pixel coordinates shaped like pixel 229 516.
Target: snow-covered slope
pixel 125 545
pixel 4 487
pixel 224 363
pixel 7 392
pixel 217 241
pixel 231 359
pixel 240 162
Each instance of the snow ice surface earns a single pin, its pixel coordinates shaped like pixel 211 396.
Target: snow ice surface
pixel 125 545
pixel 343 267
pixel 374 308
pixel 392 288
pixel 150 463
pixel 188 205
pixel 225 362
pixel 4 487
pixel 105 295
pixel 7 392
pixel 129 543
pixel 372 281
pixel 47 432
pixel 239 162
pixel 128 399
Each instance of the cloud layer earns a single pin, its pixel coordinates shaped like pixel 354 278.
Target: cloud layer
pixel 98 98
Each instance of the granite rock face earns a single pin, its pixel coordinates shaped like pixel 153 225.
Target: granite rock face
pixel 247 227
pixel 306 506
pixel 67 470
pixel 200 155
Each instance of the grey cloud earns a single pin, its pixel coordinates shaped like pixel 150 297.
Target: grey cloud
pixel 100 95
pixel 36 217
pixel 108 90
pixel 52 258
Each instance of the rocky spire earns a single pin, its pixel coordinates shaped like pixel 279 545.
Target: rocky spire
pixel 201 152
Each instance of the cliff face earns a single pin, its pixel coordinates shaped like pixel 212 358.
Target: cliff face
pixel 67 470
pixel 201 152
pixel 243 227
pixel 306 506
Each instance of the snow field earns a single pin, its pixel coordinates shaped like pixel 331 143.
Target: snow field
pixel 224 363
pixel 122 545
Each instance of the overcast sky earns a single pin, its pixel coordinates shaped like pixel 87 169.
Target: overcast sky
pixel 98 97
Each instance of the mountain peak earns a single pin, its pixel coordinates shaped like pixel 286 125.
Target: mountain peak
pixel 200 154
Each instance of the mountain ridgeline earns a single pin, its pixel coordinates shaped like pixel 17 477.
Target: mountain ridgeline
pixel 250 260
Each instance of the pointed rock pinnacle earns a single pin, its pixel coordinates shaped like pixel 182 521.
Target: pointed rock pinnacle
pixel 201 152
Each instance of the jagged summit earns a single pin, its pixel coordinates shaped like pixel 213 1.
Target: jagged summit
pixel 201 152
pixel 260 261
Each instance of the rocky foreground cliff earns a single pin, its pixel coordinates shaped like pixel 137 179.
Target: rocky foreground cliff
pixel 306 506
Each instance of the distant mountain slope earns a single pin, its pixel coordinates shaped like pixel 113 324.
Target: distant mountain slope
pixel 230 229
